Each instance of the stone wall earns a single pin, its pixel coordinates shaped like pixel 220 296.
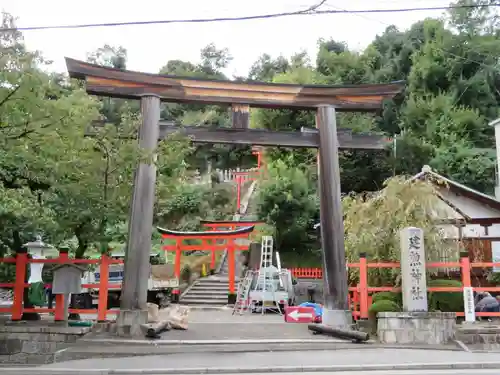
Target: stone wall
pixel 27 343
pixel 415 327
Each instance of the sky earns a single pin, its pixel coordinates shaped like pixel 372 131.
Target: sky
pixel 150 47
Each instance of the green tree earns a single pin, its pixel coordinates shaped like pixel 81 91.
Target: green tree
pixel 38 113
pixel 288 202
pixel 373 222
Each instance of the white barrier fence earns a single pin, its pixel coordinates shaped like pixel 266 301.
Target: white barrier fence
pixel 226 175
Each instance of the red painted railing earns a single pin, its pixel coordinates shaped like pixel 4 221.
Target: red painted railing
pixel 307 273
pixel 19 286
pixel 360 296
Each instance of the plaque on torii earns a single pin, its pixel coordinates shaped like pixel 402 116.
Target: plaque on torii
pixel 325 100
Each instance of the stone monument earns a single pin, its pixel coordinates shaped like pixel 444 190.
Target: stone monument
pixel 414 283
pixel 415 325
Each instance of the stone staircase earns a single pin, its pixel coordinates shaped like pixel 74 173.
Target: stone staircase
pixel 213 290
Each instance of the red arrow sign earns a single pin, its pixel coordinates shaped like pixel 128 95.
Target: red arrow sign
pixel 299 314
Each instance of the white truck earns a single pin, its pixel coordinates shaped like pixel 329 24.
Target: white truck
pixel 160 282
pixel 271 287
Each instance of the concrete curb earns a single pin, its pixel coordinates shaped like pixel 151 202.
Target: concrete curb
pixel 211 342
pixel 207 308
pixel 235 343
pixel 253 370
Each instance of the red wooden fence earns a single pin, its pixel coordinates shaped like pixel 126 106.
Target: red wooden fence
pixel 19 286
pixel 360 296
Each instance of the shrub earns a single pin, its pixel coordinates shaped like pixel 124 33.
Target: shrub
pixel 388 296
pixel 383 305
pixel 445 301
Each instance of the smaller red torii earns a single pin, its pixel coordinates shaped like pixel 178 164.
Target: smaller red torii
pixel 228 235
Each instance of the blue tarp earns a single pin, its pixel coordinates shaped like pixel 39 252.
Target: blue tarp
pixel 318 309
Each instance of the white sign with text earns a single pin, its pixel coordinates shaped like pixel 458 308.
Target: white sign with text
pixel 469 307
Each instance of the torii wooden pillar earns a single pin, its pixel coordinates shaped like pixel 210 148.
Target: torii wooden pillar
pixel 325 100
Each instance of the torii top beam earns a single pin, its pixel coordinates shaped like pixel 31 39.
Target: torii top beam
pixel 127 84
pixel 235 233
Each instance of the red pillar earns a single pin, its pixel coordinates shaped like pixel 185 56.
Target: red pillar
pixel 465 269
pixel 177 270
pixel 231 270
pixel 212 260
pixel 238 193
pixel 363 286
pixel 17 305
pixel 102 308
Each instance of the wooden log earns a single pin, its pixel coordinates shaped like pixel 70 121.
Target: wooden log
pixel 355 336
pixel 153 330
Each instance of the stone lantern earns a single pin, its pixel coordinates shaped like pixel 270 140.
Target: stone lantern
pixel 38 250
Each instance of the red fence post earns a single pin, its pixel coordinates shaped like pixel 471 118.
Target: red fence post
pixel 102 307
pixel 465 269
pixel 21 262
pixel 59 298
pixel 363 286
pixel 177 270
pixel 231 265
pixel 238 193
pixel 212 255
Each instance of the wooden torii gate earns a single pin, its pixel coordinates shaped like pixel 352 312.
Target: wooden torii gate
pixel 325 100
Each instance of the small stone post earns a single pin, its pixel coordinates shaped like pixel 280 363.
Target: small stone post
pixel 413 273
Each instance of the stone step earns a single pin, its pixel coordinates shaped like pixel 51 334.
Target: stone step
pixel 220 279
pixel 211 285
pixel 210 289
pixel 212 279
pixel 202 301
pixel 205 295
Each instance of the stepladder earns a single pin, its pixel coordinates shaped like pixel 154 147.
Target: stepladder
pixel 243 294
pixel 267 280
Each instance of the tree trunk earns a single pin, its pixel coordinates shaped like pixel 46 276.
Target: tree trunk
pixel 83 245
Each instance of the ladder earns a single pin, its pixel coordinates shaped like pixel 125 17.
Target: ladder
pixel 242 303
pixel 265 277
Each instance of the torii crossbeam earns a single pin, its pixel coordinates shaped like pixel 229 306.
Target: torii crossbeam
pixel 325 100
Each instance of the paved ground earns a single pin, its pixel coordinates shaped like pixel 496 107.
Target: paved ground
pixel 293 358
pixel 222 325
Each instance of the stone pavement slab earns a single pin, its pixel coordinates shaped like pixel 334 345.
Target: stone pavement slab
pixel 300 359
pixel 222 325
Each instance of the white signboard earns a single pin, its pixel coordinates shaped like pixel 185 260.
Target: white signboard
pixel 413 273
pixel 160 284
pixel 470 311
pixel 495 254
